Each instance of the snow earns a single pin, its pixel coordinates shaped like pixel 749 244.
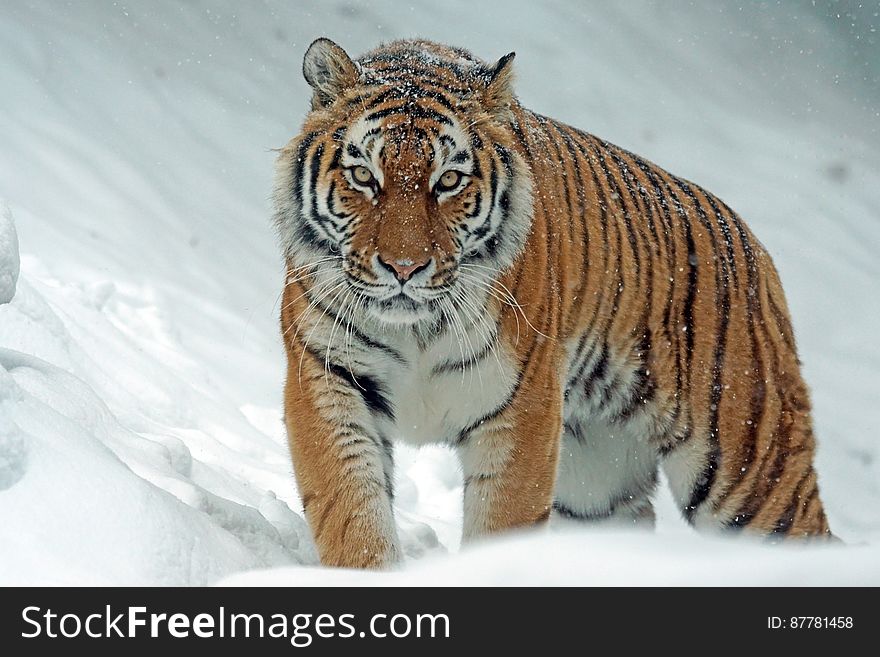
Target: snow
pixel 140 360
pixel 601 558
pixel 9 258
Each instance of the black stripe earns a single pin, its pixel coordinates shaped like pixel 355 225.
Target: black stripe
pixel 786 520
pixel 478 206
pixel 419 136
pixel 449 366
pixel 580 360
pixel 465 433
pixel 483 229
pixel 357 334
pixel 410 92
pixel 552 137
pixel 476 168
pixel 727 235
pixel 504 156
pixel 677 441
pixel 628 178
pixel 304 233
pixel 740 520
pixel 708 476
pixel 319 219
pixel 337 156
pixel 411 110
pixel 757 400
pixel 603 222
pixel 449 142
pixel 372 392
pixel 687 311
pixel 673 336
pixel 627 218
pixel 345 428
pixel 642 389
pixel 388 449
pixel 581 215
pixel 369 388
pixel 706 480
pixel 343 216
pixel 603 213
pixel 643 488
pixel 297 168
pixel 576 432
pixel 521 136
pixel 598 373
pixel 412 62
pixel 571 514
pixel 390 77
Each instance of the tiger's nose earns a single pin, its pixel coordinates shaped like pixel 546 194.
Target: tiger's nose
pixel 403 268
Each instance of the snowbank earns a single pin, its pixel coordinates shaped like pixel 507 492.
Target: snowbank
pixel 140 363
pixel 597 558
pixel 85 499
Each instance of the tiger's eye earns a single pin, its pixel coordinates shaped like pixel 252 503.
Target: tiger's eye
pixel 362 175
pixel 449 180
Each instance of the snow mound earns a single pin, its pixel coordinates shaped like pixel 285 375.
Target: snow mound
pixel 607 558
pixel 9 259
pixel 88 500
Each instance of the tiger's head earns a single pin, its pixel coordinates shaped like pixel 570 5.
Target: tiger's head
pixel 405 188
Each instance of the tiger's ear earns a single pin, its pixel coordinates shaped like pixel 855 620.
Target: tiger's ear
pixel 498 95
pixel 329 70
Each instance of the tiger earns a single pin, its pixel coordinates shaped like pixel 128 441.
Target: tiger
pixel 563 314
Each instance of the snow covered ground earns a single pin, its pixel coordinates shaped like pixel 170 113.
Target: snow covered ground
pixel 140 361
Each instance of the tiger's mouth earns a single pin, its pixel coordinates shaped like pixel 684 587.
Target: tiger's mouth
pixel 401 301
pixel 396 300
pixel 401 309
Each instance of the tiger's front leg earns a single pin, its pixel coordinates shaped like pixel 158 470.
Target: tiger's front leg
pixel 341 464
pixel 509 460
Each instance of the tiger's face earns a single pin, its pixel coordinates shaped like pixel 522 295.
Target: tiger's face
pixel 404 190
pixel 417 205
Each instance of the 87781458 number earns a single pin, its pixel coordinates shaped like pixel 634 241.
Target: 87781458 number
pixel 810 623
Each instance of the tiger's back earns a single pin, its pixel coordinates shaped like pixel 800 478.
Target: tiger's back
pixel 566 315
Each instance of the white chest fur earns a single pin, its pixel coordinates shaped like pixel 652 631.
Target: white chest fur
pixel 434 398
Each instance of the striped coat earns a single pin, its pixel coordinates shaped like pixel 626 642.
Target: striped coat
pixel 566 315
